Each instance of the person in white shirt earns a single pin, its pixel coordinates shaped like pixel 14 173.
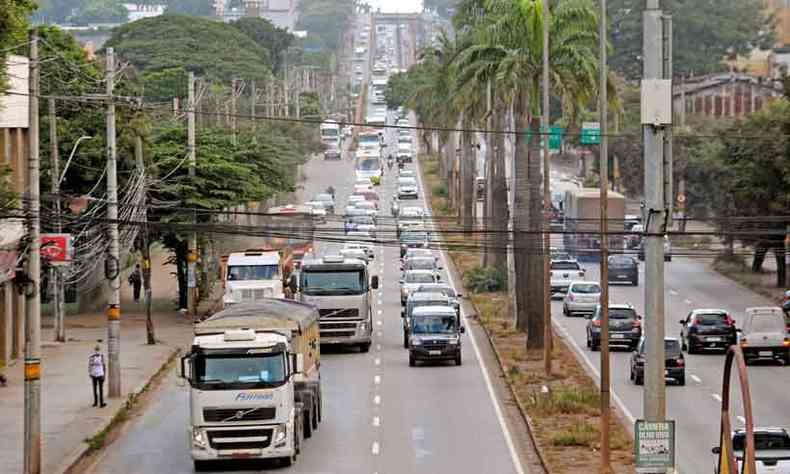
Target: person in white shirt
pixel 96 370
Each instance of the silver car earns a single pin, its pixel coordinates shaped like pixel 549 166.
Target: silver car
pixel 412 279
pixel 582 297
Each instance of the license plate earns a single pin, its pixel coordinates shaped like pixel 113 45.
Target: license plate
pixel 434 353
pixel 622 276
pixel 714 339
pixel 765 354
pixel 618 336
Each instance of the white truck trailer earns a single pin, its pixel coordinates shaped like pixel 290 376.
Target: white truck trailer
pixel 255 386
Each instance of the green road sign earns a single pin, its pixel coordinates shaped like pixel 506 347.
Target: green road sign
pixel 555 138
pixel 591 133
pixel 654 445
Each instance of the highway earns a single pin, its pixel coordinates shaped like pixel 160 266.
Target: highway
pixel 696 406
pixel 380 415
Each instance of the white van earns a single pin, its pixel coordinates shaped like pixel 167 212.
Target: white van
pixel 764 335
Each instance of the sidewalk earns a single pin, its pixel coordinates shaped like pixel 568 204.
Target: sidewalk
pixel 68 417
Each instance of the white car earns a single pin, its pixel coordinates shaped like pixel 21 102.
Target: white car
pixel 413 279
pixel 365 247
pixel 407 188
pixel 412 212
pixel 582 297
pixel 562 273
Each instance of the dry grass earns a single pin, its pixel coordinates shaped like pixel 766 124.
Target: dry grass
pixel 564 414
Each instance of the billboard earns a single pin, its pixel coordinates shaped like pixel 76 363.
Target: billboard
pixel 14 111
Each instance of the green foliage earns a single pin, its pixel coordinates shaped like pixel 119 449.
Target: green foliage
pixel 326 19
pixel 211 49
pixel 309 104
pixel 13 30
pixel 705 31
pixel 8 198
pixel 266 35
pixel 440 190
pixel 485 279
pixel 102 11
pixel 399 90
pixel 165 84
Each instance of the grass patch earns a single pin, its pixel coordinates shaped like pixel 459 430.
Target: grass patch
pixel 566 400
pixel 583 434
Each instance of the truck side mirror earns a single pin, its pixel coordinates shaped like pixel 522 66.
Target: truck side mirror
pixel 299 363
pixel 186 367
pixel 374 282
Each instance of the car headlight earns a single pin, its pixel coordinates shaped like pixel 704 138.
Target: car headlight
pixel 453 341
pixel 415 341
pixel 280 435
pixel 199 439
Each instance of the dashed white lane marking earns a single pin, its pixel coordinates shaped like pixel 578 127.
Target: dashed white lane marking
pixel 716 397
pixel 376 421
pixel 378 347
pixel 379 323
pixel 377 400
pixel 380 312
pixel 376 448
pixel 742 420
pixel 696 379
pixel 673 292
pixel 377 379
pixel 687 301
pixel 378 334
pixel 377 361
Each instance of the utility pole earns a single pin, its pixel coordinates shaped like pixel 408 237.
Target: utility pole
pixel 192 248
pixel 654 394
pixel 547 339
pixel 54 271
pixel 146 249
pixel 114 267
pixel 32 461
pixel 233 86
pixel 603 160
pixel 253 98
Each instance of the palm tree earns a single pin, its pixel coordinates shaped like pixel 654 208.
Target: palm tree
pixel 509 46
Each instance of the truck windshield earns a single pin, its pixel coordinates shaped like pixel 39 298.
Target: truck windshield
pixel 228 371
pixel 368 164
pixel 253 272
pixel 433 324
pixel 340 282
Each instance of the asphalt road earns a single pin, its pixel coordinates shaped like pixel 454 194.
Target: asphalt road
pixel 696 406
pixel 380 415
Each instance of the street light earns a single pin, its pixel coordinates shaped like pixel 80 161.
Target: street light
pixel 68 162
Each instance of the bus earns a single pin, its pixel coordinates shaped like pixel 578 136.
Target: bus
pixel 368 164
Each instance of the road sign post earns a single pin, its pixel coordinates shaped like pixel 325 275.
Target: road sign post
pixel 654 446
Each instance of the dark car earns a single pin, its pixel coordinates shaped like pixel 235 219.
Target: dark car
pixel 623 269
pixel 434 334
pixel 625 327
pixel 707 329
pixel 674 364
pixel 417 300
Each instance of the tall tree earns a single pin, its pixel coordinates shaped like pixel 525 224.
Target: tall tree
pixel 13 31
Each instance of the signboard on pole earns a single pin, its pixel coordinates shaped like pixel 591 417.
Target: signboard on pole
pixel 654 445
pixel 555 139
pixel 591 133
pixel 57 249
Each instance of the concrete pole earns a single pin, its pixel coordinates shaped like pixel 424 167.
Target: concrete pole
pixel 233 86
pixel 654 393
pixel 603 159
pixel 146 249
pixel 56 298
pixel 192 248
pixel 32 460
pixel 547 340
pixel 253 99
pixel 114 268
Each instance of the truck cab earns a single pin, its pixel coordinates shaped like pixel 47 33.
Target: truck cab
pixel 252 275
pixel 341 290
pixel 434 334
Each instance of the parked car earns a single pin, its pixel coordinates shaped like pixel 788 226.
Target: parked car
pixel 771 450
pixel 622 269
pixel 625 327
pixel 707 329
pixel 582 297
pixel 675 363
pixel 765 335
pixel 563 272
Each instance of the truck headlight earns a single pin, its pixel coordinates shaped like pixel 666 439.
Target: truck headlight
pixel 280 435
pixel 363 327
pixel 415 341
pixel 199 439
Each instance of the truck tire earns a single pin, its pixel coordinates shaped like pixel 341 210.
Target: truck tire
pixel 201 465
pixel 308 412
pixel 405 341
pixel 458 359
pixel 308 427
pixel 412 361
pixel 364 347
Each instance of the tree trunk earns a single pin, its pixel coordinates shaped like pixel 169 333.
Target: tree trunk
pixel 149 322
pixel 521 213
pixel 760 250
pixel 781 267
pixel 467 182
pixel 499 203
pixel 181 273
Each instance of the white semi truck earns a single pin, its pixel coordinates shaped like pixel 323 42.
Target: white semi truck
pixel 255 386
pixel 340 288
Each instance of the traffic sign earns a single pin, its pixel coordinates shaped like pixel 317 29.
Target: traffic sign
pixel 654 445
pixel 56 249
pixel 681 198
pixel 555 139
pixel 591 133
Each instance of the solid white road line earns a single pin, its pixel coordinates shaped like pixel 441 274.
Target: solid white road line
pixel 497 409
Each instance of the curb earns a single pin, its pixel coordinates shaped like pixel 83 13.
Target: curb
pixel 82 451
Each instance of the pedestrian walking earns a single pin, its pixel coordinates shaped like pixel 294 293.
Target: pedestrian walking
pixel 96 370
pixel 136 280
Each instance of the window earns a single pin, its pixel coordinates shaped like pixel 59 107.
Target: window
pixel 253 272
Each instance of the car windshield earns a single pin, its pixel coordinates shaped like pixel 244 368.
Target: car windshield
pixel 362 220
pixel 444 289
pixel 239 370
pixel 564 266
pixel 711 319
pixel 413 277
pixel 368 164
pixel 253 272
pixel 407 181
pixel 762 441
pixel 433 324
pixel 340 282
pixel 621 261
pixel 414 236
pixel 770 322
pixel 671 348
pixel 421 264
pixel 585 288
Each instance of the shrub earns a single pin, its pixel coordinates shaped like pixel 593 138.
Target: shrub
pixel 485 279
pixel 582 434
pixel 440 190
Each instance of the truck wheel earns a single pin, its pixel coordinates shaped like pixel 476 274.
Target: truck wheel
pixel 201 466
pixel 308 428
pixel 308 401
pixel 412 361
pixel 405 342
pixel 364 347
pixel 320 403
pixel 458 359
pixel 314 418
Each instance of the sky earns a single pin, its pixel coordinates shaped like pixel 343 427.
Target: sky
pixel 396 6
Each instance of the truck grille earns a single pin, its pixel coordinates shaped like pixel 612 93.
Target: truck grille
pixel 337 334
pixel 234 439
pixel 434 346
pixel 329 326
pixel 252 294
pixel 339 313
pixel 218 415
